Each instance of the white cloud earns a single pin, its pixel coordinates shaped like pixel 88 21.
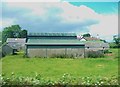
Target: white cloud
pixel 69 13
pixel 106 28
pixel 60 0
pixel 30 0
pixel 35 8
pixel 77 14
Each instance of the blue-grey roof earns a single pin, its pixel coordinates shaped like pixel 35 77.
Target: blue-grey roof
pixel 18 40
pixel 52 34
pixel 53 41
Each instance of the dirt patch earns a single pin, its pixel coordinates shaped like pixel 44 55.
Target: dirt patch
pixel 109 54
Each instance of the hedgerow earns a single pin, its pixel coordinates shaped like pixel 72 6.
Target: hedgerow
pixel 94 54
pixel 65 80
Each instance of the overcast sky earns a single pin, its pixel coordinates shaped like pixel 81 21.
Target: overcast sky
pixel 80 17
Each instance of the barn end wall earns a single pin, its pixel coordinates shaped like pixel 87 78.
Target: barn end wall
pixel 96 46
pixel 52 52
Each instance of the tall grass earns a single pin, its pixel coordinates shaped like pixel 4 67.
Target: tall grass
pixel 53 68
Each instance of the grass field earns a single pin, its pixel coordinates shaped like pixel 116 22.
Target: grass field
pixel 53 68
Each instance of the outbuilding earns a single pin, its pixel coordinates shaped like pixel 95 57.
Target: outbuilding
pixel 54 45
pixel 94 44
pixel 17 43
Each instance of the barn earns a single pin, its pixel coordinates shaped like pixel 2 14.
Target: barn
pixel 54 45
pixel 17 43
pixel 95 44
pixel 5 49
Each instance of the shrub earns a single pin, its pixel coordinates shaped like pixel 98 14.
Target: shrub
pixel 107 51
pixel 62 56
pixel 113 45
pixel 58 56
pixel 65 80
pixel 94 54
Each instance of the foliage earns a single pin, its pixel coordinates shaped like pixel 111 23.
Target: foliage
pixel 86 35
pixel 13 31
pixel 0 35
pixel 117 41
pixel 94 54
pixel 113 45
pixel 23 33
pixel 62 56
pixel 66 80
pixel 55 67
pixel 103 41
pixel 57 71
pixel 107 51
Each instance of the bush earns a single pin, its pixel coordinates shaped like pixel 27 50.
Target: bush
pixel 65 80
pixel 94 54
pixel 58 56
pixel 113 45
pixel 107 51
pixel 62 56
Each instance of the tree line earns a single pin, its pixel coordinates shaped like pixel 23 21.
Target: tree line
pixel 13 31
pixel 116 39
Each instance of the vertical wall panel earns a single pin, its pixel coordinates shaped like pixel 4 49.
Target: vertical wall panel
pixel 52 52
pixel 75 52
pixel 37 52
pixel 55 51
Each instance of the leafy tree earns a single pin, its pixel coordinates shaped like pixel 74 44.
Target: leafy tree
pixel 0 35
pixel 103 41
pixel 86 35
pixel 117 40
pixel 0 38
pixel 23 33
pixel 13 31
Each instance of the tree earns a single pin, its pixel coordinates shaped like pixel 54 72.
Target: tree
pixel 86 35
pixel 0 36
pixel 23 33
pixel 103 41
pixel 117 40
pixel 13 31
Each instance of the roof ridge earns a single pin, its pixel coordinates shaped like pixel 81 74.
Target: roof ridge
pixel 53 34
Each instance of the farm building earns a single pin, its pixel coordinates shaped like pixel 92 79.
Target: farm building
pixel 89 39
pixel 93 43
pixel 5 49
pixel 96 45
pixel 16 43
pixel 54 44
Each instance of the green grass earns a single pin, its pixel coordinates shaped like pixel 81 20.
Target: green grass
pixel 53 68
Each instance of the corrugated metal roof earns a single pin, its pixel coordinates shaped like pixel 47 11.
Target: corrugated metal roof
pixel 19 40
pixel 52 34
pixel 91 38
pixel 53 41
